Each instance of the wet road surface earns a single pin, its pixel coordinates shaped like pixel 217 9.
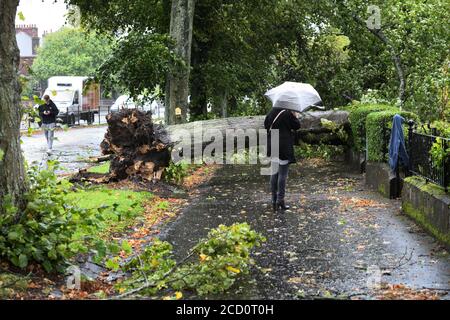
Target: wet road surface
pixel 337 239
pixel 71 148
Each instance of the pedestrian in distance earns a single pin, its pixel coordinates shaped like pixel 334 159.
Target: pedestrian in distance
pixel 48 112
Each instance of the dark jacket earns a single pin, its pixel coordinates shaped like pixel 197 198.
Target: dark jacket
pixel 397 148
pixel 51 118
pixel 286 123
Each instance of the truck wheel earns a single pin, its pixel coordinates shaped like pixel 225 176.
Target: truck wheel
pixel 91 118
pixel 72 119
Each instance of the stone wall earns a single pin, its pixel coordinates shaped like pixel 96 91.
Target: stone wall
pixel 355 160
pixel 429 206
pixel 379 178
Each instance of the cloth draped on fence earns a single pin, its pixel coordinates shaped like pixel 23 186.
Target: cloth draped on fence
pixel 397 147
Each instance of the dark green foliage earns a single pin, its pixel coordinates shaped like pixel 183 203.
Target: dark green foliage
pixel 377 144
pixel 140 62
pixel 357 118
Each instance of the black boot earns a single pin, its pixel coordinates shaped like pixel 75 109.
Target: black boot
pixel 274 202
pixel 281 205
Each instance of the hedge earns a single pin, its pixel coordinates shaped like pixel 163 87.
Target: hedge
pixel 357 118
pixel 375 123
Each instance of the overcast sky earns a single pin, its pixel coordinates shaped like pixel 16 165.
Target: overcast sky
pixel 47 15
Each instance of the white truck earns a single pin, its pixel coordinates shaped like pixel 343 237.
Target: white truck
pixel 76 98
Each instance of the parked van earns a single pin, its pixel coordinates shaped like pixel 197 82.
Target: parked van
pixel 76 98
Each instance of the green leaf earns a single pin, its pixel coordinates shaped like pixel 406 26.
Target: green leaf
pixel 112 264
pixel 21 16
pixel 23 261
pixel 2 154
pixel 13 236
pixel 127 247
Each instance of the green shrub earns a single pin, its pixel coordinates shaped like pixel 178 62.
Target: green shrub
pixel 44 232
pixel 375 123
pixel 438 152
pixel 176 172
pixel 357 118
pixel 100 169
pixel 309 151
pixel 59 221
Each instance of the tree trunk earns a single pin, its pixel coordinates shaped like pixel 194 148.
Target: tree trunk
pixel 12 172
pixel 181 26
pixel 224 104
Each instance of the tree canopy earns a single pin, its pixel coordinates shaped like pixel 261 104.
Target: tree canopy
pixel 239 49
pixel 70 52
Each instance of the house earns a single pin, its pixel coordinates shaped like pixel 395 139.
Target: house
pixel 28 41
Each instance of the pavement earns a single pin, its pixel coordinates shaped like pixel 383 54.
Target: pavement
pixel 339 238
pixel 71 148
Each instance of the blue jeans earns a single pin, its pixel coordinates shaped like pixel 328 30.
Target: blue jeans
pixel 49 131
pixel 278 181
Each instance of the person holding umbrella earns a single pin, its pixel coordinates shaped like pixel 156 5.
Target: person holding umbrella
pixel 289 100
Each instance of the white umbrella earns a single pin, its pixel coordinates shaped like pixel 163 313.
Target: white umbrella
pixel 294 96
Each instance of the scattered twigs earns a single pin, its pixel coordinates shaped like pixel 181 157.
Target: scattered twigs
pixel 148 285
pixel 101 158
pixel 404 260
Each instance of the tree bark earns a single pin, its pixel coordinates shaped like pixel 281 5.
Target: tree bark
pixel 12 172
pixel 177 89
pixel 224 104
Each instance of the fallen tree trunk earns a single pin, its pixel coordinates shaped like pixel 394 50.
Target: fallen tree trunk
pixel 140 148
pixel 310 122
pixel 311 131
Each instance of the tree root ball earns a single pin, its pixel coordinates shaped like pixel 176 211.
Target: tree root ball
pixel 136 144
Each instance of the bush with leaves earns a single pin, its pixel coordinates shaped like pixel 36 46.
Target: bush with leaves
pixel 357 118
pixel 309 151
pixel 49 230
pixel 211 267
pixel 176 172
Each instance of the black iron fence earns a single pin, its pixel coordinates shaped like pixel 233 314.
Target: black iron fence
pixel 434 169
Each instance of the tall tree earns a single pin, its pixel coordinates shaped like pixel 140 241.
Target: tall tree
pixel 12 172
pixel 120 18
pixel 177 90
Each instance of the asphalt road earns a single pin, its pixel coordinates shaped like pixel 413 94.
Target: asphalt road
pixel 70 148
